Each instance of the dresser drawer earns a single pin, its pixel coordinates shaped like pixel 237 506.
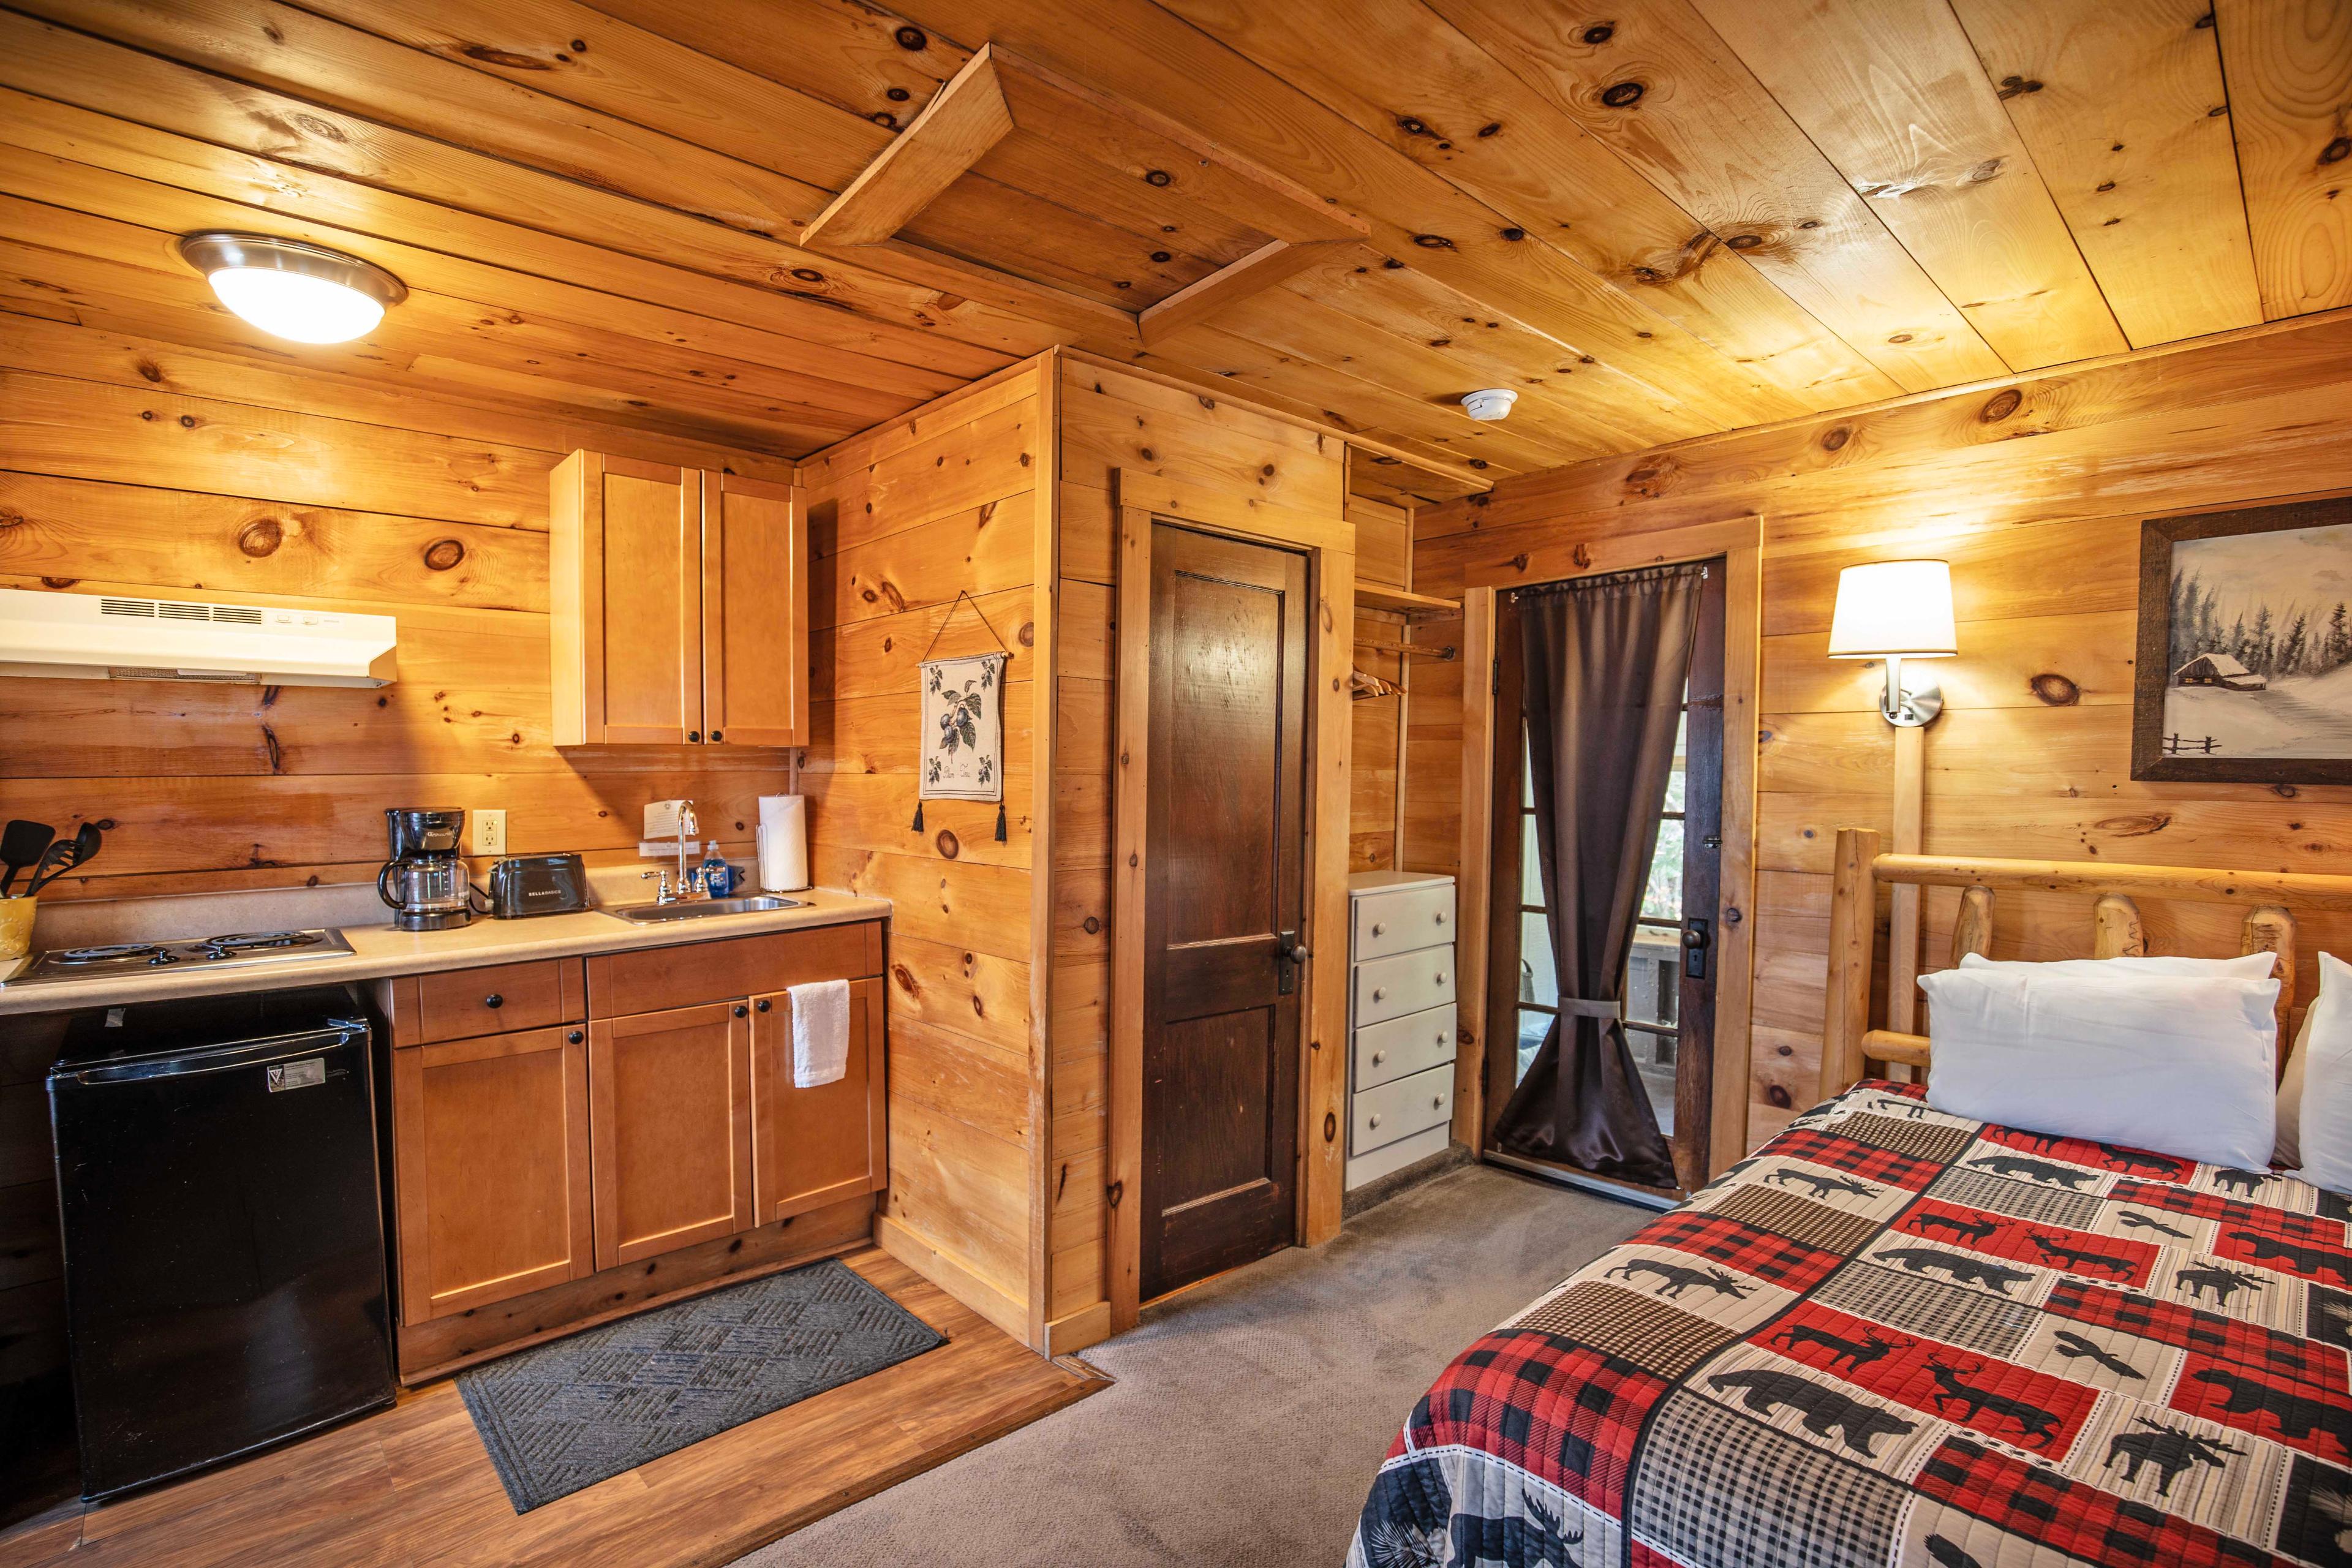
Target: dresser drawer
pixel 1403 921
pixel 1402 1046
pixel 1400 1108
pixel 1410 983
pixel 460 1004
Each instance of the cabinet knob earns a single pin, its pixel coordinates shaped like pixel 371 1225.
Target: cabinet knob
pixel 1435 1100
pixel 695 736
pixel 715 735
pixel 575 1037
pixel 741 1011
pixel 1441 917
pixel 1379 1057
pixel 1380 927
pixel 1440 1038
pixel 1380 992
pixel 1376 1118
pixel 762 1003
pixel 1441 977
pixel 494 1000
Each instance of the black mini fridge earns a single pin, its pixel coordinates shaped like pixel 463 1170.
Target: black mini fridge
pixel 223 1229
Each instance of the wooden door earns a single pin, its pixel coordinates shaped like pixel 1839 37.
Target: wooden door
pixel 811 1147
pixel 754 613
pixel 669 1099
pixel 490 1154
pixel 627 592
pixel 1223 904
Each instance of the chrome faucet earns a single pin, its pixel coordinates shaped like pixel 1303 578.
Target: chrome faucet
pixel 689 888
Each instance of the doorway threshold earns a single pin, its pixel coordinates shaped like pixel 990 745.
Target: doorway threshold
pixel 1660 1198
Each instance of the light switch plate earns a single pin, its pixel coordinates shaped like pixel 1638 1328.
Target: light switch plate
pixel 489 832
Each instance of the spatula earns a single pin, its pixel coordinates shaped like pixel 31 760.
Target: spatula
pixel 22 844
pixel 64 855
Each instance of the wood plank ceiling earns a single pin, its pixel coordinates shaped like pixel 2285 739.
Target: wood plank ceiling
pixel 1655 220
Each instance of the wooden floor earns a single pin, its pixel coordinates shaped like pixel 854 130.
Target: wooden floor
pixel 414 1486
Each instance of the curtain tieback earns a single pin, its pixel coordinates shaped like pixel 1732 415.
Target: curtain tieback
pixel 1574 1007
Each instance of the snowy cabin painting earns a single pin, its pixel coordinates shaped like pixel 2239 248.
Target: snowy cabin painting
pixel 2246 662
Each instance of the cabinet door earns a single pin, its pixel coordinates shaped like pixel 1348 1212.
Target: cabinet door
pixel 489 1169
pixel 816 1146
pixel 754 613
pixel 625 590
pixel 670 1104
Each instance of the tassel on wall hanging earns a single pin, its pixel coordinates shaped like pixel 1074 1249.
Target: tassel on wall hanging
pixel 962 747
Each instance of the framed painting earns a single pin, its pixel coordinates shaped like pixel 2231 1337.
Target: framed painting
pixel 2244 669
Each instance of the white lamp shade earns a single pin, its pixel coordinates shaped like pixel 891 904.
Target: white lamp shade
pixel 290 305
pixel 1894 609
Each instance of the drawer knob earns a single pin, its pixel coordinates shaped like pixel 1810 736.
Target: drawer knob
pixel 1379 1057
pixel 741 1011
pixel 1380 927
pixel 575 1037
pixel 494 1000
pixel 1441 917
pixel 762 1003
pixel 1380 992
pixel 1440 1038
pixel 1376 1118
pixel 1441 977
pixel 1436 1100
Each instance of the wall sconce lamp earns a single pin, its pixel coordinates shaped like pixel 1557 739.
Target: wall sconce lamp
pixel 293 289
pixel 1897 610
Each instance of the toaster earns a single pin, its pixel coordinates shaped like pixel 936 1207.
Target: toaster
pixel 537 885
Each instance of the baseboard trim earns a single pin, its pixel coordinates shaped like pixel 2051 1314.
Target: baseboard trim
pixel 943 1270
pixel 1076 1331
pixel 1380 1189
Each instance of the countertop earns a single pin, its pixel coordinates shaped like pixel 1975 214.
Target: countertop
pixel 378 952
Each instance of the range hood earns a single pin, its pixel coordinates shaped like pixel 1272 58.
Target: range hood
pixel 91 636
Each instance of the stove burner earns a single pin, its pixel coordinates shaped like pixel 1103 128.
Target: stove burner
pixel 249 941
pixel 106 955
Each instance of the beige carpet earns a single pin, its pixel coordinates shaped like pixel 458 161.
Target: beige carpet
pixel 1249 1414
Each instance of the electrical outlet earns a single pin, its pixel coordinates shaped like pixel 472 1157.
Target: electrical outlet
pixel 489 832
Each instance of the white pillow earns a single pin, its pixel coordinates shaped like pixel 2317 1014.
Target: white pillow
pixel 2321 1073
pixel 2253 966
pixel 2288 1154
pixel 2178 1064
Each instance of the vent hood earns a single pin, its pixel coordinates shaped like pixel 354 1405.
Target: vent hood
pixel 89 636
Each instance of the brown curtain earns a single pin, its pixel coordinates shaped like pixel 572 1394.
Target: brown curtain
pixel 1606 658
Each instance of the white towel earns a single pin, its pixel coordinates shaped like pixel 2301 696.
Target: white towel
pixel 820 1033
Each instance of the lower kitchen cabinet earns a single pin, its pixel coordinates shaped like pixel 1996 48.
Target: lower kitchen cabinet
pixel 811 1147
pixel 670 1106
pixel 490 1161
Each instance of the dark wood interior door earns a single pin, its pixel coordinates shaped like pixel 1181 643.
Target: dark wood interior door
pixel 1223 902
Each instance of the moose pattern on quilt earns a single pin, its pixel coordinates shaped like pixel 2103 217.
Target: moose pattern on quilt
pixel 1895 1339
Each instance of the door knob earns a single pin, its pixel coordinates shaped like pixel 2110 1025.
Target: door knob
pixel 1292 957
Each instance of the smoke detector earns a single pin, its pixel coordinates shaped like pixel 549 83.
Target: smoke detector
pixel 1493 403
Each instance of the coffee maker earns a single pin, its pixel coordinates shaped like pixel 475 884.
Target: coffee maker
pixel 424 882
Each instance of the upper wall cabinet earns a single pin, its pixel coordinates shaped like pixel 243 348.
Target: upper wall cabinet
pixel 680 606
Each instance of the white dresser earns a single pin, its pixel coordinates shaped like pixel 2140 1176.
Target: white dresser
pixel 1401 1025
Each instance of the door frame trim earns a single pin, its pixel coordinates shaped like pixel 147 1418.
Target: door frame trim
pixel 1330 544
pixel 1740 541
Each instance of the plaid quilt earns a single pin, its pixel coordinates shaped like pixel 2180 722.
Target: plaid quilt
pixel 1894 1339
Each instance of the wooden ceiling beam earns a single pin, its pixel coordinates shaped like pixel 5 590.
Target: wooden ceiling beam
pixel 1264 268
pixel 963 121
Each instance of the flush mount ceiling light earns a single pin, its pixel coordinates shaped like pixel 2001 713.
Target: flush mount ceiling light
pixel 291 289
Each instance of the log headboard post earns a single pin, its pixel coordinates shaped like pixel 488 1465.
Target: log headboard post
pixel 1853 939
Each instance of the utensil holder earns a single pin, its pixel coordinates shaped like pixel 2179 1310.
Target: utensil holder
pixel 15 926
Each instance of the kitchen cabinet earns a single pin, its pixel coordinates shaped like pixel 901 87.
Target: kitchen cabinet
pixel 490 1163
pixel 811 1147
pixel 678 601
pixel 669 1098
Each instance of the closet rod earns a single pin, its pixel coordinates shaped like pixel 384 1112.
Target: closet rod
pixel 1417 650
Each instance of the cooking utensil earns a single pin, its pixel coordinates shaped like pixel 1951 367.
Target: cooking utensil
pixel 23 844
pixel 64 855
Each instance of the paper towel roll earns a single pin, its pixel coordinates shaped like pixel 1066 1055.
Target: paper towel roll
pixel 784 843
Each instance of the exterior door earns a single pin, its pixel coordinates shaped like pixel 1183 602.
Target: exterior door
pixel 754 613
pixel 1223 904
pixel 669 1106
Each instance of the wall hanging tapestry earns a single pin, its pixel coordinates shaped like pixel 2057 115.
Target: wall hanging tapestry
pixel 2244 671
pixel 962 747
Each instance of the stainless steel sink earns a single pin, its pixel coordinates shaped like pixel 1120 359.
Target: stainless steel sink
pixel 651 914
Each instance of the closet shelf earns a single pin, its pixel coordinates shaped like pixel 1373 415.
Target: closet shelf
pixel 1401 602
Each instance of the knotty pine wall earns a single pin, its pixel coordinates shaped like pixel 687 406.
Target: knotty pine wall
pixel 903 519
pixel 135 466
pixel 1383 557
pixel 2035 490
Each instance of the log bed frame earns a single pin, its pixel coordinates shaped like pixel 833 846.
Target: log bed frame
pixel 1849 1044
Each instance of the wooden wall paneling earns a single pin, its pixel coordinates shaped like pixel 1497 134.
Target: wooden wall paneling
pixel 2289 68
pixel 2032 754
pixel 1837 260
pixel 1472 866
pixel 2126 118
pixel 1895 97
pixel 1044 764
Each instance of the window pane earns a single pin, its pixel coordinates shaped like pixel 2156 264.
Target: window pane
pixel 1527 774
pixel 1652 976
pixel 1674 787
pixel 1654 1058
pixel 1533 1026
pixel 1530 867
pixel 1663 899
pixel 1538 980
